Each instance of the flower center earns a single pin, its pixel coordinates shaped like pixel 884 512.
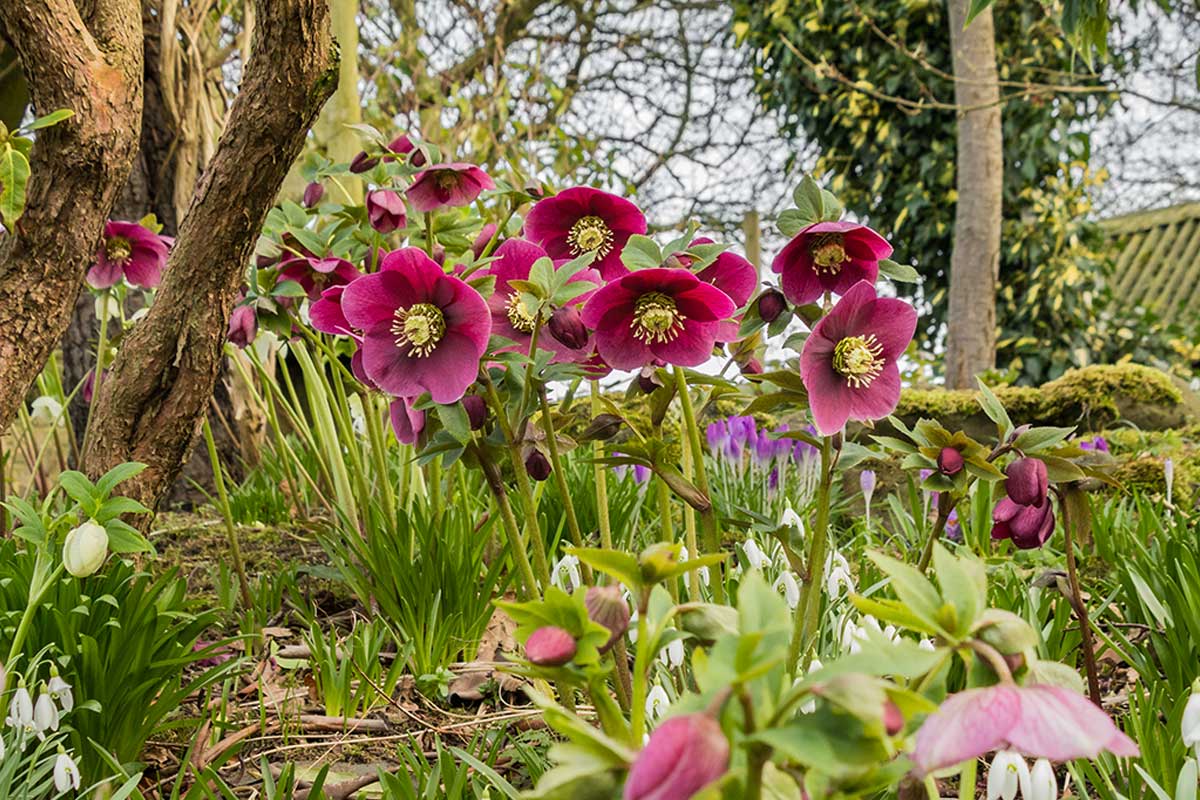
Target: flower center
pixel 829 253
pixel 117 249
pixel 590 234
pixel 859 359
pixel 518 315
pixel 446 179
pixel 656 320
pixel 419 327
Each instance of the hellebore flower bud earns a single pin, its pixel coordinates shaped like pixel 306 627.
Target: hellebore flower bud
pixel 752 367
pixel 566 325
pixel 481 241
pixel 385 210
pixel 684 755
pixel 771 304
pixel 85 549
pixel 950 461
pixel 1028 526
pixel 1027 483
pixel 657 560
pixel 313 194
pixel 264 260
pixel 243 326
pixel 537 465
pixel 708 621
pixel 362 163
pixel 893 718
pixel 648 381
pixel 1006 631
pixel 476 410
pixel 550 647
pixel 606 606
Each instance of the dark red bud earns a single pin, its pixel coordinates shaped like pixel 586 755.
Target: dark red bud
pixel 550 647
pixel 537 465
pixel 476 410
pixel 439 254
pixel 893 719
pixel 950 461
pixel 385 210
pixel 363 163
pixel 673 261
pixel 483 239
pixel 752 367
pixel 401 145
pixel 313 194
pixel 606 605
pixel 262 260
pixel 243 326
pixel 566 325
pixel 771 304
pixel 1027 482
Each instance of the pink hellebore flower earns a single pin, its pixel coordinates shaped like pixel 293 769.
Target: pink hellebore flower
pixel 447 185
pixel 316 274
pixel 849 361
pixel 511 318
pixel 829 257
pixel 668 314
pixel 243 326
pixel 407 422
pixel 130 251
pixel 423 330
pixel 733 275
pixel 1037 721
pixel 326 313
pixel 1029 526
pixel 483 239
pixel 585 220
pixel 385 210
pixel 684 755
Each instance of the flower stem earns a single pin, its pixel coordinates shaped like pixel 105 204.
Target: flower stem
pixel 560 477
pixel 235 549
pixel 516 543
pixel 945 506
pixel 37 591
pixel 637 713
pixel 429 233
pixel 98 369
pixel 1085 627
pixel 708 517
pixel 808 610
pixel 689 519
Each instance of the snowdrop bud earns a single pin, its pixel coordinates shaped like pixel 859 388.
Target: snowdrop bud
pixel 45 715
pixel 1169 477
pixel 656 702
pixel 1008 773
pixel 60 690
pixel 672 654
pixel 1191 718
pixel 754 554
pixel 20 710
pixel 926 644
pixel 85 549
pixel 47 410
pixel 550 647
pixel 66 773
pixel 1042 783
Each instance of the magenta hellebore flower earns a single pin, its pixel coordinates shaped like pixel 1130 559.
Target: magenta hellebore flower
pixel 1027 481
pixel 950 461
pixel 130 251
pixel 829 257
pixel 423 330
pixel 510 316
pixel 243 326
pixel 1029 526
pixel 483 239
pixel 447 185
pixel 407 422
pixel 385 210
pixel 684 754
pixel 668 314
pixel 1037 721
pixel 733 275
pixel 317 274
pixel 849 360
pixel 585 220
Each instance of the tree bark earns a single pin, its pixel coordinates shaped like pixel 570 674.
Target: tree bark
pixel 975 261
pixel 149 409
pixel 93 66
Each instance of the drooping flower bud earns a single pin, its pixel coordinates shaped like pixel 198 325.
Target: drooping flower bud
pixel 476 410
pixel 684 755
pixel 606 605
pixel 751 366
pixel 550 647
pixel 771 304
pixel 1027 482
pixel 243 326
pixel 385 210
pixel 362 163
pixel 1028 526
pixel 566 326
pixel 893 718
pixel 60 690
pixel 66 773
pixel 483 239
pixel 537 465
pixel 950 461
pixel 45 716
pixel 1042 783
pixel 85 549
pixel 313 194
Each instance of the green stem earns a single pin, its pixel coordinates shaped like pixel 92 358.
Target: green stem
pixel 429 233
pixel 36 592
pixel 1085 627
pixel 637 711
pixel 708 517
pixel 966 780
pixel 560 477
pixel 808 610
pixel 945 506
pixel 689 520
pixel 516 543
pixel 98 369
pixel 235 550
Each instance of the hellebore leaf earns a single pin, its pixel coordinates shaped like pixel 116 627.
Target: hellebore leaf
pixel 992 406
pixel 49 120
pixel 14 175
pixel 898 272
pixel 808 199
pixel 641 252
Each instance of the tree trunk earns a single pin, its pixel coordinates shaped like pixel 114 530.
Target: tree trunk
pixel 94 68
pixel 975 262
pixel 149 409
pixel 339 141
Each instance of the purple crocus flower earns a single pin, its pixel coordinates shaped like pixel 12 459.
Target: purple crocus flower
pixel 423 330
pixel 586 220
pixel 717 434
pixel 849 360
pixel 130 251
pixel 656 313
pixel 448 186
pixel 829 257
pixel 953 527
pixel 1098 443
pixel 1036 721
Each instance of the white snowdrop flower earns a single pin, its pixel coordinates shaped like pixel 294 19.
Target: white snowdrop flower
pixel 754 554
pixel 852 637
pixel 107 306
pixel 1008 774
pixel 656 702
pixel 358 421
pixel 20 710
pixel 304 313
pixel 47 410
pixel 791 590
pixel 60 690
pixel 672 654
pixel 66 773
pixel 1 748
pixel 1042 783
pixel 891 633
pixel 926 644
pixel 687 576
pixel 809 704
pixel 632 632
pixel 791 519
pixel 838 576
pixel 45 715
pixel 1191 719
pixel 566 573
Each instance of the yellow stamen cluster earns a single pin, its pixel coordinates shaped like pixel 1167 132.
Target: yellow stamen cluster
pixel 590 234
pixel 859 359
pixel 419 328
pixel 656 320
pixel 828 253
pixel 519 315
pixel 118 249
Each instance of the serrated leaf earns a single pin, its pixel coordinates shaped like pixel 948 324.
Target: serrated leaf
pixel 808 199
pixel 641 252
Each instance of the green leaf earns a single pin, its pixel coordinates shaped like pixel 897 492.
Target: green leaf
pixel 80 489
pixel 119 506
pixel 288 289
pixel 123 538
pixel 808 199
pixel 899 272
pixel 977 8
pixel 614 563
pixel 792 221
pixel 118 475
pixel 14 175
pixel 992 406
pixel 53 118
pixel 913 588
pixel 1036 439
pixel 641 252
pixel 964 585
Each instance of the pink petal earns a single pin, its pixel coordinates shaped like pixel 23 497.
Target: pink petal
pixel 851 273
pixel 691 348
pixel 619 349
pixel 1061 725
pixel 880 398
pixel 967 725
pixel 450 369
pixel 389 367
pixel 733 275
pixel 407 422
